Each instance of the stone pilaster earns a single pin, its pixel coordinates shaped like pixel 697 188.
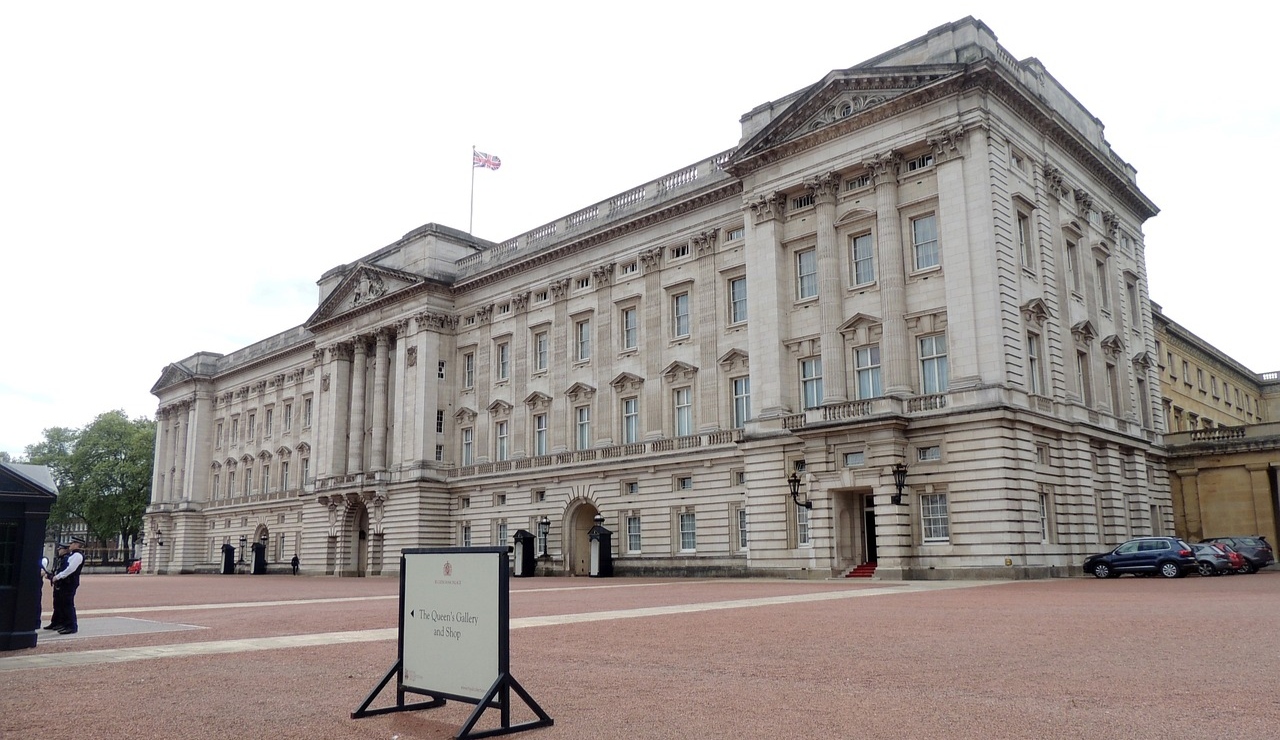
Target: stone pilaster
pixel 830 290
pixel 381 373
pixel 895 350
pixel 766 304
pixel 359 377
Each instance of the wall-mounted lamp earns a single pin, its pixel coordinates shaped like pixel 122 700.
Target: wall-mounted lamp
pixel 793 482
pixel 899 481
pixel 159 537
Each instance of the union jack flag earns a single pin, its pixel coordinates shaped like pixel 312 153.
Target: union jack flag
pixel 480 159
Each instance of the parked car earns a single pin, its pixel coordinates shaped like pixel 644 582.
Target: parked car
pixel 1255 550
pixel 1170 557
pixel 1214 559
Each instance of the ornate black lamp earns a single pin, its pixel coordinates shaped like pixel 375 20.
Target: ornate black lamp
pixel 793 482
pixel 899 481
pixel 243 540
pixel 544 531
pixel 159 537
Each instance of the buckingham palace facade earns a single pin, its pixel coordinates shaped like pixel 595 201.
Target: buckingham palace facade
pixel 931 260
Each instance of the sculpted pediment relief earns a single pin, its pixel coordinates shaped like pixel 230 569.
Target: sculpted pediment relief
pixel 365 285
pixel 172 375
pixel 841 98
pixel 627 382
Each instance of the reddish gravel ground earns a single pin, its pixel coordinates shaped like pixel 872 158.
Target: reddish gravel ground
pixel 1066 658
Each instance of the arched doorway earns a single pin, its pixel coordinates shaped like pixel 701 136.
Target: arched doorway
pixel 358 536
pixel 259 547
pixel 579 521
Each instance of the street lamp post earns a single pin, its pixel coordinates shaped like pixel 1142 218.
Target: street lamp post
pixel 544 532
pixel 243 540
pixel 899 482
pixel 793 483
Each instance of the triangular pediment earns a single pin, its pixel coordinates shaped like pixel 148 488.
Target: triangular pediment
pixel 579 391
pixel 499 408
pixel 840 99
pixel 464 415
pixel 627 382
pixel 1084 331
pixel 1035 311
pixel 364 286
pixel 537 400
pixel 679 371
pixel 171 375
pixel 734 359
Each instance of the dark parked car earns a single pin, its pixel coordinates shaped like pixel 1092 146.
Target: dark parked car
pixel 1171 557
pixel 1255 550
pixel 1214 559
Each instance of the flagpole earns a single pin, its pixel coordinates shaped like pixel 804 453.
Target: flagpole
pixel 472 216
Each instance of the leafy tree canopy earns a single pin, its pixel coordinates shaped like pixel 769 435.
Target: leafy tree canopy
pixel 103 473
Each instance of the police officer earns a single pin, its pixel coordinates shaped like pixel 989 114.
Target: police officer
pixel 56 621
pixel 65 582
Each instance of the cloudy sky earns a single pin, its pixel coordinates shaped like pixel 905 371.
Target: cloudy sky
pixel 175 177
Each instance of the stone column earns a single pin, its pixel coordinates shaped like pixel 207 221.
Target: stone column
pixel 335 384
pixel 766 275
pixel 184 424
pixel 603 353
pixel 355 434
pixel 157 464
pixel 830 290
pixel 891 259
pixel 381 368
pixel 652 345
pixel 974 330
pixel 706 300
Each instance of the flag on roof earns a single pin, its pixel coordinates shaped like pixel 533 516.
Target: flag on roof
pixel 480 159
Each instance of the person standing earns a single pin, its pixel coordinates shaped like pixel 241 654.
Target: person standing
pixel 65 583
pixel 56 621
pixel 294 563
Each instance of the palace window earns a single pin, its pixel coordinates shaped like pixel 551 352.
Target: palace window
pixel 741 390
pixel 737 300
pixel 630 420
pixel 1035 372
pixel 688 531
pixel 683 411
pixel 934 521
pixel 802 527
pixel 439 422
pixel 540 349
pixel 933 363
pixel 582 427
pixel 863 260
pixel 680 315
pixel 500 441
pixel 1025 245
pixel 582 340
pixel 811 382
pixel 468 442
pixel 924 240
pixel 806 274
pixel 469 370
pixel 630 327
pixel 633 533
pixel 866 362
pixel 504 360
pixel 540 434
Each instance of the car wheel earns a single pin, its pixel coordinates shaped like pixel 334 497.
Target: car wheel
pixel 1248 567
pixel 1206 569
pixel 1102 570
pixel 1170 570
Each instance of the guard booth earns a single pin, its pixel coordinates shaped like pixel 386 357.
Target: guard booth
pixel 525 559
pixel 601 549
pixel 26 493
pixel 228 559
pixel 259 558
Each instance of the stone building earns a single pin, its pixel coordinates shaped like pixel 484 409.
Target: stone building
pixel 1223 443
pixel 931 259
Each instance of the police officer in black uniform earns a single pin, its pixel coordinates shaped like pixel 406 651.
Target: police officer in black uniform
pixel 56 621
pixel 65 582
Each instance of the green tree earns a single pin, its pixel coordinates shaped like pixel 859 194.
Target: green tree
pixel 103 474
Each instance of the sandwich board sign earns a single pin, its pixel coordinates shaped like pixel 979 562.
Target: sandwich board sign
pixel 453 638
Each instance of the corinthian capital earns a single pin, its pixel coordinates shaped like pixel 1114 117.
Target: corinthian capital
pixel 825 187
pixel 946 143
pixel 883 168
pixel 769 207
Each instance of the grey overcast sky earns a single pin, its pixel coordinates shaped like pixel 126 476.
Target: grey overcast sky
pixel 175 176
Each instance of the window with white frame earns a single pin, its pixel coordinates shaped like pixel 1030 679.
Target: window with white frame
pixel 866 362
pixel 934 521
pixel 469 370
pixel 733 235
pixel 501 535
pixel 1104 293
pixel 284 475
pixel 252 420
pixel 1135 306
pixel 811 382
pixel 1113 387
pixel 630 487
pixel 928 453
pixel 1084 380
pixel 248 480
pixel 855 459
pixel 630 420
pixel 215 488
pixel 741 390
pixel 439 453
pixel 468 440
pixel 439 421
pixel 288 417
pixel 742 529
pixel 584 282
pixel 802 527
pixel 440 369
pixel 1035 369
pixel 688 531
pixel 682 401
pixel 217 439
pixel 266 477
pixel 630 327
pixel 231 483
pixel 500 441
pixel 541 347
pixel 1073 265
pixel 306 471
pixel 633 533
pixel 235 430
pixel 1044 517
pixel 582 340
pixel 863 260
pixel 680 315
pixel 306 413
pixel 268 422
pixel 504 360
pixel 582 427
pixel 684 483
pixel 466 534
pixel 630 268
pixel 737 300
pixel 543 536
pixel 933 363
pixel 806 274
pixel 924 240
pixel 680 250
pixel 1025 245
pixel 539 434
